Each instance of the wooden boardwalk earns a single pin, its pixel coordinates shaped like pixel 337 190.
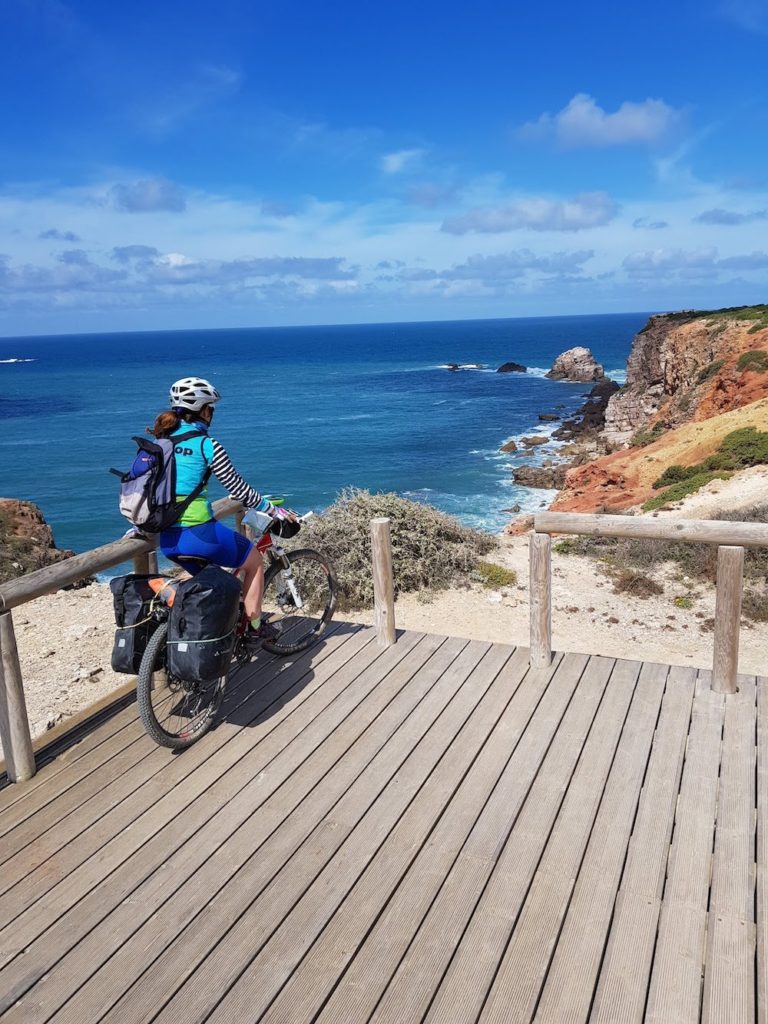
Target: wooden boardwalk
pixel 431 832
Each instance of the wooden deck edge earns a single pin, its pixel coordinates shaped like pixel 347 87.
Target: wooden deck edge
pixel 81 723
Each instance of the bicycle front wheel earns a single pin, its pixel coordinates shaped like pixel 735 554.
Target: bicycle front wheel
pixel 174 713
pixel 299 600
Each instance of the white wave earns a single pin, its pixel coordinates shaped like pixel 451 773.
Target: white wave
pixel 464 366
pixel 620 376
pixel 537 371
pixel 17 360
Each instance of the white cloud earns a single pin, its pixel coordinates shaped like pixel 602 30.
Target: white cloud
pixel 730 217
pixel 582 123
pixel 648 224
pixel 692 263
pixel 394 163
pixel 589 210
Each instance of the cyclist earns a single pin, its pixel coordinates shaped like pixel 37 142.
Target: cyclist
pixel 197 534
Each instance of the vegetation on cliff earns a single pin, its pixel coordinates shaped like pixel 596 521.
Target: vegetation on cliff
pixel 430 550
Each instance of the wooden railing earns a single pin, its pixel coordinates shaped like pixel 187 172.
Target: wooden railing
pixel 15 733
pixel 731 539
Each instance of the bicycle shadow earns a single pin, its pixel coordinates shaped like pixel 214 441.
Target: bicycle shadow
pixel 259 689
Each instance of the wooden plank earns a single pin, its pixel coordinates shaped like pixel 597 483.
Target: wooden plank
pixel 540 599
pixel 761 873
pixel 481 806
pixel 416 934
pixel 53 857
pixel 169 821
pixel 692 531
pixel 675 987
pixel 729 974
pixel 572 976
pixel 277 929
pixel 462 989
pixel 623 982
pixel 523 965
pixel 383 582
pixel 201 870
pixel 730 585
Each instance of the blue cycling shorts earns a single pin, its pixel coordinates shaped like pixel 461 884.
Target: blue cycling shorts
pixel 212 540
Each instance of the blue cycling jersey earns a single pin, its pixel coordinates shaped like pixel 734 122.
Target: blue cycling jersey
pixel 193 457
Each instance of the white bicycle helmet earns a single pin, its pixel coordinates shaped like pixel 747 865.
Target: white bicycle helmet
pixel 193 393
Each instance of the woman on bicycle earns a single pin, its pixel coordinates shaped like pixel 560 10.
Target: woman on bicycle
pixel 197 534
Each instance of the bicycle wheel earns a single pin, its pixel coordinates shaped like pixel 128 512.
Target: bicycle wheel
pixel 299 601
pixel 174 713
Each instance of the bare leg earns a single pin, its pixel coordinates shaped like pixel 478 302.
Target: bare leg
pixel 253 583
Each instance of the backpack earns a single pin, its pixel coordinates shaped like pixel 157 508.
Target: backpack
pixel 148 489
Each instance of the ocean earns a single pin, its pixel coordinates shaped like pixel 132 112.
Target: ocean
pixel 306 411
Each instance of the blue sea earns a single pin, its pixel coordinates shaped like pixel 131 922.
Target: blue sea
pixel 306 411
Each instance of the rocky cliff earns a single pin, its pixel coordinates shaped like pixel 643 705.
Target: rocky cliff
pixel 26 540
pixel 689 366
pixel 691 379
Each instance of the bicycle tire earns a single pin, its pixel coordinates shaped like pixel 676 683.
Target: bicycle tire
pixel 313 572
pixel 209 698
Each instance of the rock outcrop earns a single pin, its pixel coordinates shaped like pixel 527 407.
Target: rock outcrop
pixel 684 367
pixel 26 539
pixel 577 364
pixel 548 477
pixel 512 368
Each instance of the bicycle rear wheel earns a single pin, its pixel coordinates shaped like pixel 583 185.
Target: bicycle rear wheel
pixel 299 601
pixel 174 713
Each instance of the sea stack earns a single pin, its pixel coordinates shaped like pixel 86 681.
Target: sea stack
pixel 577 364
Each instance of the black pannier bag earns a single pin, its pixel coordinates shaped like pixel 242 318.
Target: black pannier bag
pixel 133 598
pixel 201 628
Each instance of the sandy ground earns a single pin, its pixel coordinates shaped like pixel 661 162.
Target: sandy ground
pixel 65 640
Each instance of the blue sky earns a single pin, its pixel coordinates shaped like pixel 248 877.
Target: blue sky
pixel 242 163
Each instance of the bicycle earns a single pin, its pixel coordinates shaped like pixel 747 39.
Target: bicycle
pixel 299 600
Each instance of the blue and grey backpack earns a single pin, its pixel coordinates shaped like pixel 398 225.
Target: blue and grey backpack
pixel 148 489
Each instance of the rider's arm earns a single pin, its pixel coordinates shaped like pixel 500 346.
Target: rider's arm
pixel 228 476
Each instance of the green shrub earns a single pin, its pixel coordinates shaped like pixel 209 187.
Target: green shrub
pixel 757 361
pixel 683 489
pixel 644 437
pixel 674 475
pixel 754 606
pixel 684 601
pixel 494 577
pixel 430 550
pixel 747 447
pixel 710 371
pixel 565 547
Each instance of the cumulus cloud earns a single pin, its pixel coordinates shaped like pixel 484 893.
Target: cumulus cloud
pixel 394 163
pixel 730 217
pixel 498 269
pixel 687 264
pixel 583 123
pixel 588 210
pixel 58 236
pixel 74 257
pixel 650 225
pixel 148 196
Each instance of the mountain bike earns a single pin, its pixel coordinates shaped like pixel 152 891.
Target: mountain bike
pixel 299 601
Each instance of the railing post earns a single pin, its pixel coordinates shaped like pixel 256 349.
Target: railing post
pixel 141 563
pixel 152 561
pixel 14 724
pixel 540 590
pixel 730 583
pixel 383 582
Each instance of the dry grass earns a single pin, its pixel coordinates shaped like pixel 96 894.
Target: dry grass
pixel 430 550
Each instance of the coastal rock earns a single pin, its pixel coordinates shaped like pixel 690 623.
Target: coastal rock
pixel 533 440
pixel 512 368
pixel 545 477
pixel 26 540
pixel 508 447
pixel 577 364
pixel 686 366
pixel 548 417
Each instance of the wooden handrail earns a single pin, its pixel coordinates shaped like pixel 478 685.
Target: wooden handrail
pixel 79 567
pixel 730 537
pixel 690 531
